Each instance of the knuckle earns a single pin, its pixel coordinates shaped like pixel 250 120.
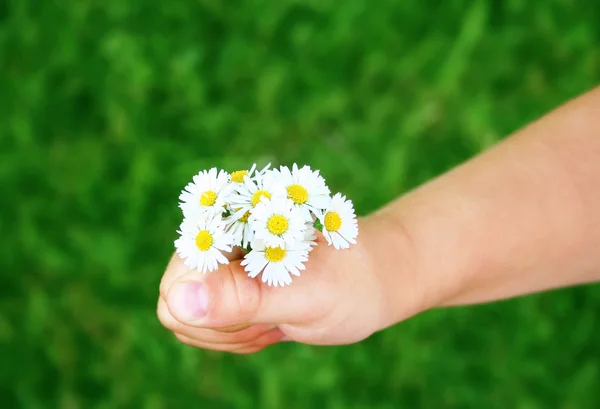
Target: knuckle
pixel 238 298
pixel 248 295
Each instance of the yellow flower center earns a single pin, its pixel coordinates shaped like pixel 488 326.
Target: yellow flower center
pixel 204 240
pixel 258 195
pixel 275 254
pixel 244 218
pixel 297 193
pixel 277 224
pixel 208 198
pixel 333 221
pixel 238 176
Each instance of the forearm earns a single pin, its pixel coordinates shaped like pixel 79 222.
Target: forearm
pixel 522 217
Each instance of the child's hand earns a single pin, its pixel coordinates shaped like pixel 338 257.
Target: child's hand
pixel 342 297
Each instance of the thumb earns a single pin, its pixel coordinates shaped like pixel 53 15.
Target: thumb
pixel 228 297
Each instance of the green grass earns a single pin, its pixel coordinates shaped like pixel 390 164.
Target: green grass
pixel 108 107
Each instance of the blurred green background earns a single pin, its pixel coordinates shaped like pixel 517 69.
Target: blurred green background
pixel 107 108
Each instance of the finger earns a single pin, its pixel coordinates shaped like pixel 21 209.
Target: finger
pixel 245 335
pixel 245 351
pixel 228 297
pixel 176 269
pixel 269 338
pixel 233 328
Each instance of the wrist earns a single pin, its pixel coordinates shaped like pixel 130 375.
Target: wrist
pixel 405 290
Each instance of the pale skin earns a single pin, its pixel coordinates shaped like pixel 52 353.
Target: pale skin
pixel 521 217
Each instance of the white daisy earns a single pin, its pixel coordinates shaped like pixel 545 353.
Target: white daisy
pixel 249 193
pixel 310 237
pixel 277 222
pixel 207 192
pixel 275 263
pixel 239 175
pixel 202 240
pixel 306 188
pixel 340 227
pixel 240 229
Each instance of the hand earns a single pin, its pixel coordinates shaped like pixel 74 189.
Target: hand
pixel 342 297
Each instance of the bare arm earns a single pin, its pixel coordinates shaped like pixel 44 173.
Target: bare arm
pixel 522 217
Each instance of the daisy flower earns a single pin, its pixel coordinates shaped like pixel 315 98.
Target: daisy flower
pixel 339 223
pixel 202 242
pixel 207 192
pixel 310 237
pixel 306 188
pixel 275 263
pixel 277 222
pixel 240 229
pixel 249 193
pixel 239 175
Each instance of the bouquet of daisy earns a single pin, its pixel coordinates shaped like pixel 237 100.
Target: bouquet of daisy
pixel 273 214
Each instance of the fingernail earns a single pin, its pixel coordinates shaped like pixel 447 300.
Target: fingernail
pixel 286 339
pixel 189 300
